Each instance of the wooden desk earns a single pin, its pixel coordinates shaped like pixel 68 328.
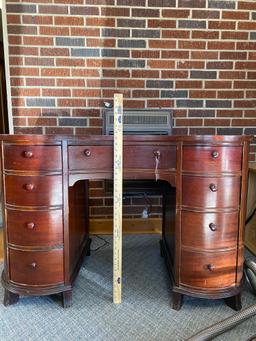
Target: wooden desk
pixel 45 190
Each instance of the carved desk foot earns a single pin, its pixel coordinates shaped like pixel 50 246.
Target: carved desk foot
pixel 10 298
pixel 67 299
pixel 234 302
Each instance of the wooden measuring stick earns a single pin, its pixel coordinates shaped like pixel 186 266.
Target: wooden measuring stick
pixel 118 198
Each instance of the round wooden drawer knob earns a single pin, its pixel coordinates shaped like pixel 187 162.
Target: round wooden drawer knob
pixel 213 226
pixel 29 187
pixel 87 152
pixel 33 265
pixel 210 267
pixel 215 154
pixel 213 187
pixel 28 154
pixel 31 225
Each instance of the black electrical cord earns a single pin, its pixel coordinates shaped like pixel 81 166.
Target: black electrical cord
pixel 101 246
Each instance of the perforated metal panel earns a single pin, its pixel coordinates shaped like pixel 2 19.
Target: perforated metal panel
pixel 141 122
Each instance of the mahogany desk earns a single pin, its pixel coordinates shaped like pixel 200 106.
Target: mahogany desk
pixel 45 196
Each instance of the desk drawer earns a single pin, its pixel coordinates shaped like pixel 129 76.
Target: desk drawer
pixel 36 158
pixel 212 159
pixel 35 228
pixel 33 190
pixel 36 268
pixel 208 270
pixel 145 157
pixel 209 230
pixel 210 192
pixel 90 157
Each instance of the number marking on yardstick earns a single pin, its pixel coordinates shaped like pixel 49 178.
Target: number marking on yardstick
pixel 118 198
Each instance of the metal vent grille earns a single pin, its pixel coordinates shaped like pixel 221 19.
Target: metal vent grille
pixel 141 122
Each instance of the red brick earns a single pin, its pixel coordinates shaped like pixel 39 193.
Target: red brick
pixel 235 15
pixel 41 121
pixel 25 92
pixel 145 74
pixel 161 64
pixel 106 22
pixel 54 31
pixel 218 84
pixel 85 31
pixel 175 34
pixel 189 122
pixel 202 94
pixel 230 94
pixel 70 62
pixel 37 20
pixel 99 63
pixel 40 41
pixel 130 83
pixel 232 75
pixel 174 74
pixel 204 55
pixel 221 25
pixel 188 84
pixel 213 122
pixel 93 42
pixel 86 93
pixel 161 23
pixel 190 64
pixel 205 34
pixel 115 12
pixel 145 54
pixel 162 44
pixel 221 45
pixel 175 13
pixel 234 35
pixel 193 44
pixel 69 21
pixel 246 5
pixel 22 71
pixel 229 113
pixel 56 92
pixel 85 73
pixel 40 82
pixel 71 102
pixel 160 103
pixel 55 72
pixel 55 51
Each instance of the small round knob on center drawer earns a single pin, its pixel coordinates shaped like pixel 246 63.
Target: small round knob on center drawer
pixel 213 187
pixel 30 225
pixel 32 265
pixel 28 154
pixel 87 152
pixel 215 154
pixel 213 226
pixel 210 267
pixel 29 187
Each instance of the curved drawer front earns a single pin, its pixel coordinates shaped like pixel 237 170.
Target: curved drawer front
pixel 210 192
pixel 209 230
pixel 145 157
pixel 36 268
pixel 208 270
pixel 90 157
pixel 35 228
pixel 36 158
pixel 212 159
pixel 33 190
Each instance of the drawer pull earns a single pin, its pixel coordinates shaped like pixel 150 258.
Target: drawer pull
pixel 33 265
pixel 210 267
pixel 29 187
pixel 213 226
pixel 28 154
pixel 31 225
pixel 87 152
pixel 215 154
pixel 157 155
pixel 213 187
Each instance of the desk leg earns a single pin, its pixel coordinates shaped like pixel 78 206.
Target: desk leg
pixel 10 298
pixel 177 300
pixel 67 299
pixel 234 302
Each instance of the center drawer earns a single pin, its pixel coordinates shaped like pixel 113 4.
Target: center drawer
pixel 208 269
pixel 36 268
pixel 33 190
pixel 35 228
pixel 211 192
pixel 209 230
pixel 140 157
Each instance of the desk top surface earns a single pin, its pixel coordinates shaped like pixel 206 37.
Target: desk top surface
pixel 106 139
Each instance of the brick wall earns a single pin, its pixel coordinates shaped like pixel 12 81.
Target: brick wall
pixel 195 57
